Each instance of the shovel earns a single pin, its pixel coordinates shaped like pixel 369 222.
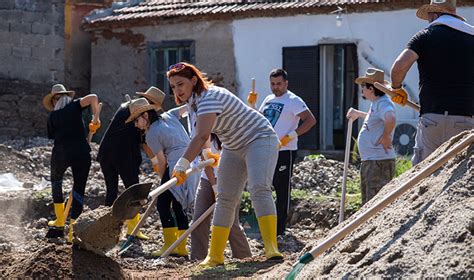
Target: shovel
pixel 94 120
pixel 129 203
pixel 379 206
pixel 344 174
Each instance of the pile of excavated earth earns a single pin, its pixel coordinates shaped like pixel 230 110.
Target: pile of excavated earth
pixel 428 232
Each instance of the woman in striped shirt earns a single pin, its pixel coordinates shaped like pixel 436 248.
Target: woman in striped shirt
pixel 249 154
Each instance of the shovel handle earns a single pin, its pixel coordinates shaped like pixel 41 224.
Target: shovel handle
pixel 152 196
pixel 68 205
pixel 344 174
pixel 253 84
pixel 193 226
pixel 385 90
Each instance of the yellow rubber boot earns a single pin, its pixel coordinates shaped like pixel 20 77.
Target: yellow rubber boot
pixel 181 249
pixel 70 235
pixel 268 226
pixel 60 219
pixel 170 235
pixel 215 256
pixel 131 224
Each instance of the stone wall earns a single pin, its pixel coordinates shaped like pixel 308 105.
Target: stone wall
pixel 21 111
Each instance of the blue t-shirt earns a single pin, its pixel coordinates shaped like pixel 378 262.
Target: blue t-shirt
pixel 372 130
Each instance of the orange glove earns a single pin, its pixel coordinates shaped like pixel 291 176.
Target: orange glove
pixel 288 138
pixel 179 171
pixel 94 126
pixel 401 97
pixel 252 98
pixel 208 154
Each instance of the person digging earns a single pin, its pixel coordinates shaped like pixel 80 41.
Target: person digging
pixel 66 127
pixel 167 139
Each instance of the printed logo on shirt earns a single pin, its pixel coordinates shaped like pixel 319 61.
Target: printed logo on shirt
pixel 272 112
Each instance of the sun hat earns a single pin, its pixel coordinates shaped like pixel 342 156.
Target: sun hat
pixel 138 107
pixel 55 90
pixel 154 95
pixel 372 75
pixel 438 6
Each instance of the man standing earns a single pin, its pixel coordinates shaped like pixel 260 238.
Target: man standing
pixel 444 52
pixel 284 110
pixel 375 137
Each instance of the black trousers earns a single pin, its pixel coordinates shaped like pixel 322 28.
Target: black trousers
pixel 165 202
pixel 80 171
pixel 128 172
pixel 281 183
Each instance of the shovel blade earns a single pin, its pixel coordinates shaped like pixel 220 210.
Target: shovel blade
pixel 131 201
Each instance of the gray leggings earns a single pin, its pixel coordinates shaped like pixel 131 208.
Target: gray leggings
pixel 255 164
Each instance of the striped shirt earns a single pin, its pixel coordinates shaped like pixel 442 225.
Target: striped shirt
pixel 236 124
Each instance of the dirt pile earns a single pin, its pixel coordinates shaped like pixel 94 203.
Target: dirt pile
pixel 321 176
pixel 427 232
pixel 60 261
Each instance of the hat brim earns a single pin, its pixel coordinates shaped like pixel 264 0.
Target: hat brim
pixel 140 111
pixel 362 80
pixel 423 11
pixel 47 99
pixel 153 99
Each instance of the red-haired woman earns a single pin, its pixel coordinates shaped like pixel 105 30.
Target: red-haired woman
pixel 249 154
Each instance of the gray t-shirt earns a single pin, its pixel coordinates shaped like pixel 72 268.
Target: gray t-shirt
pixel 168 135
pixel 372 130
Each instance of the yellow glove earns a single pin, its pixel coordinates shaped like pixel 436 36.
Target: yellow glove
pixel 288 138
pixel 94 126
pixel 401 97
pixel 179 171
pixel 208 154
pixel 252 98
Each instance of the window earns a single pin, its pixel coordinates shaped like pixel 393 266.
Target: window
pixel 162 55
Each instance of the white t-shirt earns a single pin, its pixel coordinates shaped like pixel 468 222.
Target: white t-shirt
pixel 282 112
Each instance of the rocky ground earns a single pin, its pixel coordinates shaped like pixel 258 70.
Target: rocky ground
pixel 428 232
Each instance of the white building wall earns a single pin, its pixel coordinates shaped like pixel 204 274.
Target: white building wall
pixel 381 36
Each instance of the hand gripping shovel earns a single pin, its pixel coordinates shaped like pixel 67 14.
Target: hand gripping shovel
pixel 344 174
pixel 388 91
pixel 380 205
pixel 95 118
pixel 128 204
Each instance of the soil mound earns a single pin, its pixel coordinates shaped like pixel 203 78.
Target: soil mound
pixel 427 232
pixel 59 261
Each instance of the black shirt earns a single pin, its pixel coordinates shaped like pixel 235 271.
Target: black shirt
pixel 67 129
pixel 446 69
pixel 121 141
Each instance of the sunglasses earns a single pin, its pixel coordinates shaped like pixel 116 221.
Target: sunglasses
pixel 177 67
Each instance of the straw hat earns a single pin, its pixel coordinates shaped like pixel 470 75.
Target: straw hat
pixel 138 107
pixel 56 89
pixel 372 75
pixel 438 6
pixel 154 95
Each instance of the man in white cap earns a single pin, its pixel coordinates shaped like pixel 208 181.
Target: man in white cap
pixel 444 52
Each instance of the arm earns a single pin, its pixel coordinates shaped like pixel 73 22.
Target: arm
pixel 90 100
pixel 401 66
pixel 308 122
pixel 148 151
pixel 389 124
pixel 161 163
pixel 355 114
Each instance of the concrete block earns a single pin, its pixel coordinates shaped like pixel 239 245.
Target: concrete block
pixel 41 28
pixel 54 41
pixel 5 50
pixel 33 40
pixel 42 52
pixel 33 17
pixel 55 64
pixel 32 6
pixel 9 37
pixel 21 51
pixel 20 27
pixel 7 4
pixel 4 25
